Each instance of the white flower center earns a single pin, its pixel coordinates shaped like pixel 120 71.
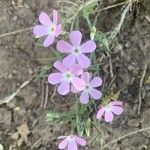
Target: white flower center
pixel 87 88
pixel 76 51
pixel 68 76
pixel 107 108
pixel 71 139
pixel 51 30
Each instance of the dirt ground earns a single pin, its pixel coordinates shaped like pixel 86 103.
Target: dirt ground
pixel 23 122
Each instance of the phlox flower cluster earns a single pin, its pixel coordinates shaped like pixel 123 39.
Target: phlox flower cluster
pixel 71 73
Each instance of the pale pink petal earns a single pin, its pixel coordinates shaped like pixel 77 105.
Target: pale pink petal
pixel 88 47
pixel 64 88
pixel 48 41
pixel 55 17
pixel 40 30
pixel 69 60
pixel 95 94
pixel 100 113
pixel 64 47
pixel 55 78
pixel 76 69
pixel 84 97
pixel 75 38
pixel 58 30
pixel 108 116
pixel 63 144
pixel 74 90
pixel 59 66
pixel 80 141
pixel 44 19
pixel 118 103
pixel 116 110
pixel 83 61
pixel 86 77
pixel 78 83
pixel 96 82
pixel 72 146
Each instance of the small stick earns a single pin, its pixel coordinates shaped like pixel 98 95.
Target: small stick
pixel 111 67
pixel 118 4
pixel 140 87
pixel 15 32
pixel 36 143
pixel 46 95
pixel 7 99
pixel 53 94
pixel 43 91
pixel 124 136
pixel 118 27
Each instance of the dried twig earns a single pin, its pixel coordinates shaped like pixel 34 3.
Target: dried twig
pixel 111 67
pixel 43 93
pixel 140 87
pixel 16 32
pixel 124 136
pixel 36 143
pixel 118 27
pixel 7 99
pixel 53 94
pixel 118 4
pixel 46 95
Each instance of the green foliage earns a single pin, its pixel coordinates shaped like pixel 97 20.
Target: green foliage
pixel 53 116
pixel 78 118
pixel 43 71
pixel 102 40
pixel 89 10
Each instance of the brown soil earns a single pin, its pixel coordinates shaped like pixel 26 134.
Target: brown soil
pixel 23 124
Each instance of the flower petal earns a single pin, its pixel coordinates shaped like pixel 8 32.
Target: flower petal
pixel 55 78
pixel 45 20
pixel 69 61
pixel 40 30
pixel 72 146
pixel 108 116
pixel 83 61
pixel 80 141
pixel 55 17
pixel 75 38
pixel 76 69
pixel 118 103
pixel 88 47
pixel 64 88
pixel 48 41
pixel 95 94
pixel 100 113
pixel 63 144
pixel 74 90
pixel 84 97
pixel 58 30
pixel 59 66
pixel 96 82
pixel 64 47
pixel 78 83
pixel 86 77
pixel 116 110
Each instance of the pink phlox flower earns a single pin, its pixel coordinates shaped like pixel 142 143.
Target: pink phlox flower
pixel 48 27
pixel 90 88
pixel 71 142
pixel 76 50
pixel 67 76
pixel 107 112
